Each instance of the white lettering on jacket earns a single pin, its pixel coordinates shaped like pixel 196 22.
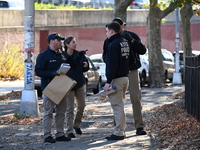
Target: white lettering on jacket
pixel 125 49
pixel 52 60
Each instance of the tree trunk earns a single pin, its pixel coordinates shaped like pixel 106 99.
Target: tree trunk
pixel 154 46
pixel 186 15
pixel 120 8
pixel 156 69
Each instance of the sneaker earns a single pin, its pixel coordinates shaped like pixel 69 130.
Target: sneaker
pixel 115 137
pixel 77 130
pixel 140 131
pixel 49 139
pixel 63 138
pixel 71 135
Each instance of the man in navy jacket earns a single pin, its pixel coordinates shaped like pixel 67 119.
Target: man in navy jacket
pixel 134 82
pixel 47 64
pixel 117 69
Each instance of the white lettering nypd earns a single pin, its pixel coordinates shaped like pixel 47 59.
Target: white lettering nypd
pixel 125 49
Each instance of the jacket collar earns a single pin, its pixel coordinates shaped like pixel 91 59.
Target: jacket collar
pixel 114 37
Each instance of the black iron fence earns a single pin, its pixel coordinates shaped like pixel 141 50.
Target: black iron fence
pixel 192 86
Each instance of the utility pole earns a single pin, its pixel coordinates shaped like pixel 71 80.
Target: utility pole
pixel 177 74
pixel 29 103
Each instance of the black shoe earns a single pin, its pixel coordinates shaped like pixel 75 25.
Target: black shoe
pixel 63 138
pixel 49 139
pixel 77 130
pixel 71 135
pixel 140 131
pixel 115 137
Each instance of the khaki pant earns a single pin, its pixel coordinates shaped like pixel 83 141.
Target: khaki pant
pixel 60 110
pixel 117 104
pixel 135 96
pixel 79 94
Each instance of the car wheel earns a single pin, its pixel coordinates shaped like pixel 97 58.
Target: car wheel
pixel 99 85
pixel 142 79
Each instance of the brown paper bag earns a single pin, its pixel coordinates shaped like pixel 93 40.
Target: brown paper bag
pixel 59 87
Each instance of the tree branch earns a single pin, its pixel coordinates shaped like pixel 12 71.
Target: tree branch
pixel 168 10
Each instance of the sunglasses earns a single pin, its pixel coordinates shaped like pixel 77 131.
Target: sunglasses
pixel 57 35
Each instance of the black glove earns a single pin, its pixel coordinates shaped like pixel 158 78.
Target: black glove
pixel 82 52
pixel 127 36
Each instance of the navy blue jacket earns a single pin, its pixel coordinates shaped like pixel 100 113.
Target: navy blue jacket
pixel 137 49
pixel 47 64
pixel 77 69
pixel 117 58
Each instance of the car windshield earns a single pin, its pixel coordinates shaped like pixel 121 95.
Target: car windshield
pixel 167 56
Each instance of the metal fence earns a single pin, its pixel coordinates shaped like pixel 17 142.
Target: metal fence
pixel 192 86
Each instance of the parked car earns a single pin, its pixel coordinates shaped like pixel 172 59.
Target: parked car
pixel 168 65
pixel 144 69
pixel 139 4
pixel 181 59
pixel 12 4
pixel 92 76
pixel 106 3
pixel 79 3
pixel 98 62
pixel 55 2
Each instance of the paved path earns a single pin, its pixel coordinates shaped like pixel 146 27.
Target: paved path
pixel 8 86
pixel 97 124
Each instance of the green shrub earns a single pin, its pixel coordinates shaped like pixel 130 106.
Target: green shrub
pixel 51 6
pixel 11 62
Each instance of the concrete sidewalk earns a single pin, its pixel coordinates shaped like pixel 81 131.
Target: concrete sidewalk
pixel 8 86
pixel 97 124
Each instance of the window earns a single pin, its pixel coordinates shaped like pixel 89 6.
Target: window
pixel 3 4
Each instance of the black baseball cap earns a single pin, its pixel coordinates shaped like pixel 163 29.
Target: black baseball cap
pixel 119 20
pixel 54 36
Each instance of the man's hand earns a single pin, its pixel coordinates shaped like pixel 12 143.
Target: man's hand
pixel 55 73
pixel 82 52
pixel 127 36
pixel 85 64
pixel 107 87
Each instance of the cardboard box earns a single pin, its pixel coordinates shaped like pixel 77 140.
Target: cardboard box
pixel 59 87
